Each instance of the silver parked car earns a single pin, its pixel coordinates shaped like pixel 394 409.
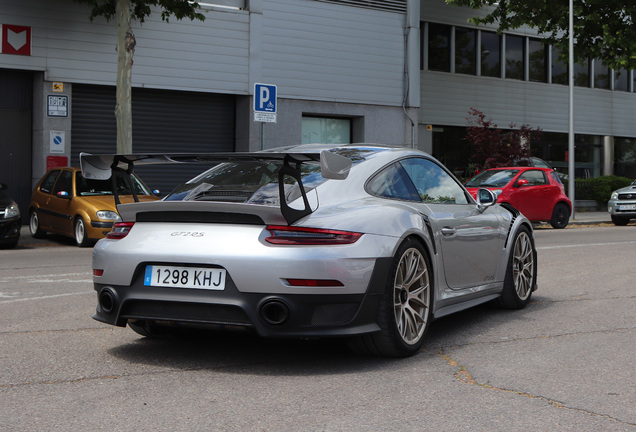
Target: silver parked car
pixel 368 242
pixel 622 204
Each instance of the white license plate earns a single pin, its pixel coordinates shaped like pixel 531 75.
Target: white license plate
pixel 185 277
pixel 627 207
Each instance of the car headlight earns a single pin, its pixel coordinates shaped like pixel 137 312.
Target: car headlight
pixel 12 211
pixel 107 214
pixel 614 195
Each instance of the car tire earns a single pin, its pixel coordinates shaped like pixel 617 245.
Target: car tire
pixel 404 311
pixel 34 225
pixel 79 231
pixel 521 272
pixel 560 216
pixel 620 220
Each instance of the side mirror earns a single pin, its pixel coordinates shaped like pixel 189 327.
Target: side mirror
pixel 485 198
pixel 522 182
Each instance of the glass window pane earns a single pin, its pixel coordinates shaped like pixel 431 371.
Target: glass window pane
pixel 514 57
pixel 490 54
pixel 433 184
pixel 326 130
pixel 465 56
pixel 601 75
pixel 621 80
pixel 581 75
pixel 439 47
pixel 537 55
pixel 559 69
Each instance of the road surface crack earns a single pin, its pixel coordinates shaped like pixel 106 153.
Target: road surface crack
pixel 463 375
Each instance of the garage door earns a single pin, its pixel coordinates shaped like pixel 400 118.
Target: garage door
pixel 163 122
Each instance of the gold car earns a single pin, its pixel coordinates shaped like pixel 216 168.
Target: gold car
pixel 66 203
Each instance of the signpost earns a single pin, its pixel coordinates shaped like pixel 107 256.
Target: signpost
pixel 265 103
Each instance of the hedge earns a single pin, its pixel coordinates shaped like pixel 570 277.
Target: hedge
pixel 598 189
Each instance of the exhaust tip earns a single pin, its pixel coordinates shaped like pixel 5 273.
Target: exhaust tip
pixel 107 300
pixel 275 312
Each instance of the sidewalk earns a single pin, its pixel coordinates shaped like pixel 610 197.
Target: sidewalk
pixel 595 217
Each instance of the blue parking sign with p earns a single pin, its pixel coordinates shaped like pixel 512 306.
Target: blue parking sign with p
pixel 265 98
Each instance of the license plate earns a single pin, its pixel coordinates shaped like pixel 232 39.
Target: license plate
pixel 627 207
pixel 185 277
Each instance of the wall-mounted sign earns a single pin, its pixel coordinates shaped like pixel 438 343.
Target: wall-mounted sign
pixel 57 144
pixel 15 39
pixel 57 106
pixel 57 87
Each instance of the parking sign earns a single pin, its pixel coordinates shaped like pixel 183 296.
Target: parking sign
pixel 265 102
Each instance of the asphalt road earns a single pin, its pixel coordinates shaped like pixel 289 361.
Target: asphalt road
pixel 565 363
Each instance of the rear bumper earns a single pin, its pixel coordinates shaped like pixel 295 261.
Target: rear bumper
pixel 270 315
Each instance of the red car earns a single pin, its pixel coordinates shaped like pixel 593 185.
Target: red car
pixel 536 192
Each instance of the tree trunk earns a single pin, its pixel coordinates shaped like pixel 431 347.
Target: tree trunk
pixel 125 52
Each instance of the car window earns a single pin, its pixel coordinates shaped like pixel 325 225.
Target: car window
pixel 64 183
pixel 393 182
pixel 555 176
pixel 49 181
pixel 534 177
pixel 434 185
pixel 91 187
pixel 492 178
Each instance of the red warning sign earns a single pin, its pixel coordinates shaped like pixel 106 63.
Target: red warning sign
pixel 16 39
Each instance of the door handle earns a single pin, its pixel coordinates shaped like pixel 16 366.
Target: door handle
pixel 448 231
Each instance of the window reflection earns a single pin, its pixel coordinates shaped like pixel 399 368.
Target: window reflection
pixel 465 55
pixel 439 47
pixel 490 54
pixel 537 58
pixel 514 57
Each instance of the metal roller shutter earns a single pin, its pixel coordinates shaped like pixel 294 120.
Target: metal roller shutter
pixel 163 122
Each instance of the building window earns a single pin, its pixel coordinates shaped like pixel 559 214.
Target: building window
pixel 326 130
pixel 490 52
pixel 601 75
pixel 465 54
pixel 439 36
pixel 537 57
pixel 581 75
pixel 514 57
pixel 621 80
pixel 559 69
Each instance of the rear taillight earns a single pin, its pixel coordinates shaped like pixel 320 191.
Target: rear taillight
pixel 288 235
pixel 120 230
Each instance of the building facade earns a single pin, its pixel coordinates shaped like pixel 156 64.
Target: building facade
pixel 398 72
pixel 515 78
pixel 343 71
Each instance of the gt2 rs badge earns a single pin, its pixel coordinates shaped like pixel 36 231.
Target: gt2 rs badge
pixel 187 234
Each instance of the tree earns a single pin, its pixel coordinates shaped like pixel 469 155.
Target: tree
pixel 603 29
pixel 494 147
pixel 124 12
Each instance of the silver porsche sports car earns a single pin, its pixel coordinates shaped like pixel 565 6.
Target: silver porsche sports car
pixel 359 241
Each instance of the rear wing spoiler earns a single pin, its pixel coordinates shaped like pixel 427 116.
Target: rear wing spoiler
pixel 332 166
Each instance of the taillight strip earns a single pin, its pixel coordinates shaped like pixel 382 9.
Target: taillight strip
pixel 289 235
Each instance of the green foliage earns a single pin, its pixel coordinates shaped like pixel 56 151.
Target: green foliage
pixel 494 147
pixel 140 9
pixel 598 189
pixel 603 29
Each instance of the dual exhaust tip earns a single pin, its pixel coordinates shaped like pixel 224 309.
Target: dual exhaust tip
pixel 273 312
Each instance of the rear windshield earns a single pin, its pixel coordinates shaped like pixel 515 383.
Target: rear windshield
pixel 255 182
pixel 91 187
